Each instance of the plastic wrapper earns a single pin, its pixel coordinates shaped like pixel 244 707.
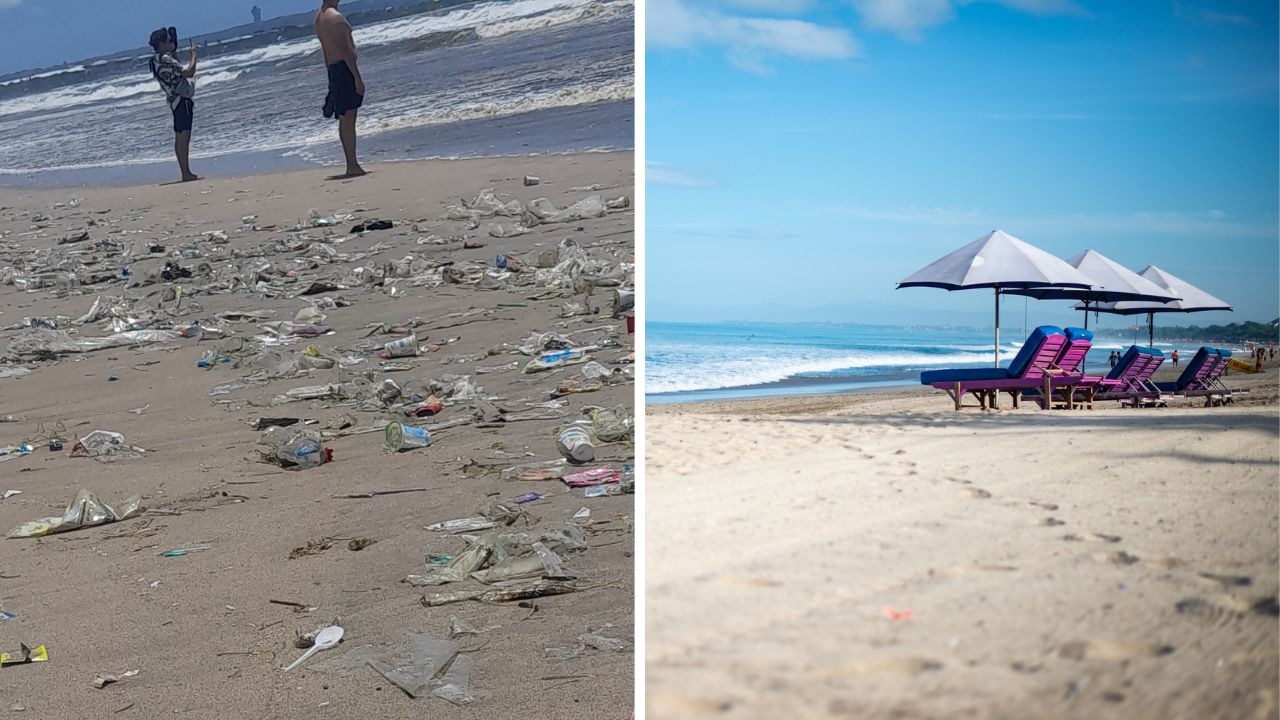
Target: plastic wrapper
pixel 486 203
pixel 41 341
pixel 105 446
pixel 86 510
pixel 612 425
pixel 547 470
pixel 592 206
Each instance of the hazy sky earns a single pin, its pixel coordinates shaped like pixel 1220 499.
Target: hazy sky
pixel 804 156
pixel 43 33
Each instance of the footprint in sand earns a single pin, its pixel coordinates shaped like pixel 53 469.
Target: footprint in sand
pixel 1108 650
pixel 1225 609
pixel 1052 522
pixel 669 705
pixel 1225 581
pixel 1116 558
pixel 1046 505
pixel 1091 537
pixel 902 665
pixel 979 493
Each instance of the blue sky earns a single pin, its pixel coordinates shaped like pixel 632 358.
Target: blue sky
pixel 45 33
pixel 803 155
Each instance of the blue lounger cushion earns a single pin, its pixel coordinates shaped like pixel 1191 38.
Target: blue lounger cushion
pixel 930 377
pixel 1130 355
pixel 1018 367
pixel 1074 334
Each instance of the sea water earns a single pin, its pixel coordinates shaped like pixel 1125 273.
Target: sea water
pixel 702 361
pixel 482 79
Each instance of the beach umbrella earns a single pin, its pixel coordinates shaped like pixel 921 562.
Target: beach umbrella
pixel 1112 282
pixel 998 261
pixel 1190 299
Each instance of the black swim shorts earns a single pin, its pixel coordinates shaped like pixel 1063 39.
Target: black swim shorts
pixel 342 91
pixel 183 115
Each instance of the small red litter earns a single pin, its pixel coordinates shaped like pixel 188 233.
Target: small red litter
pixel 897 614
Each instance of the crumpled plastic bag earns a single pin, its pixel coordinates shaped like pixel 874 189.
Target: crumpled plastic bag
pixel 453 388
pixel 538 343
pixel 85 511
pixel 592 206
pixel 612 425
pixel 59 341
pixel 486 203
pixel 105 446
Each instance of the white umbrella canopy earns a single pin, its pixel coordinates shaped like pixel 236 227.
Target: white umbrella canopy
pixel 1190 299
pixel 999 261
pixel 1112 282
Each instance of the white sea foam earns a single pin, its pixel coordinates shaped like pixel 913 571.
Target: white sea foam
pixel 90 93
pixel 734 367
pixel 37 76
pixel 480 18
pixel 588 12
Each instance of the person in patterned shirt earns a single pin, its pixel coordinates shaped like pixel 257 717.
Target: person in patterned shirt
pixel 175 80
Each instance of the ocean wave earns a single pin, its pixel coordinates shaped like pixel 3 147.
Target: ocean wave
pixel 486 20
pixel 585 94
pixel 49 74
pixel 89 94
pixel 589 12
pixel 714 372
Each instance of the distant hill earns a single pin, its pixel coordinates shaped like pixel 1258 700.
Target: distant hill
pixel 1241 332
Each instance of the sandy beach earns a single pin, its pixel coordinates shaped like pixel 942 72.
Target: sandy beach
pixel 879 554
pixel 201 628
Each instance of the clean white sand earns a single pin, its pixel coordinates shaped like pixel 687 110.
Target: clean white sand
pixel 1085 564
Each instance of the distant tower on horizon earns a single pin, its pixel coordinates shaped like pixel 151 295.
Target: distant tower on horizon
pixel 257 14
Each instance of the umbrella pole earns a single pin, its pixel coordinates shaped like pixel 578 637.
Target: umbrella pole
pixel 997 350
pixel 1151 330
pixel 1086 314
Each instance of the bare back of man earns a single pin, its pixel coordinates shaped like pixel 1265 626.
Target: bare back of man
pixel 346 87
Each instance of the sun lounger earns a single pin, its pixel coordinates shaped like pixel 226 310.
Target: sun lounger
pixel 1068 375
pixel 1033 367
pixel 1202 378
pixel 1129 382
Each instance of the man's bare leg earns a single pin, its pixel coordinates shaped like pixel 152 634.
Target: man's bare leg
pixel 182 148
pixel 347 132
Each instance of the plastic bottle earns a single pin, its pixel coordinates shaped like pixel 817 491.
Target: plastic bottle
pixel 575 445
pixel 558 358
pixel 302 451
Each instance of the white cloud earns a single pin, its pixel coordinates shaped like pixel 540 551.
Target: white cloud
pixel 1039 7
pixel 750 42
pixel 6 4
pixel 660 174
pixel 904 18
pixel 774 7
pixel 907 18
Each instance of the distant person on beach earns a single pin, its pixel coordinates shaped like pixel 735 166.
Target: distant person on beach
pixel 346 88
pixel 1113 358
pixel 175 80
pixel 257 14
pixel 1175 358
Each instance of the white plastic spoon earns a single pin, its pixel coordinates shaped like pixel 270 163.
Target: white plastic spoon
pixel 325 639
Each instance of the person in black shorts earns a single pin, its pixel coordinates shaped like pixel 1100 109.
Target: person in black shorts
pixel 179 91
pixel 346 87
